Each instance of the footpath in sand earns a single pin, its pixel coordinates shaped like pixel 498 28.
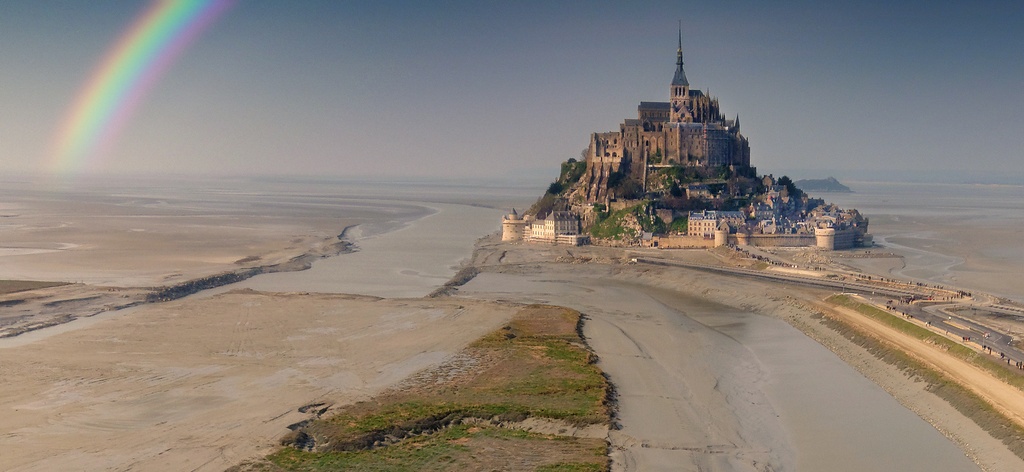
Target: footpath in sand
pixel 203 384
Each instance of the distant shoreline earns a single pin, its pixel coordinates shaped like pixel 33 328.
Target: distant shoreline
pixel 194 286
pixel 298 263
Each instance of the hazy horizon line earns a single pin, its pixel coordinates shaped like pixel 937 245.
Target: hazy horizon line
pixel 538 178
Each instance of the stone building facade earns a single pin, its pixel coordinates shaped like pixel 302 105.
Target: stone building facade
pixel 560 227
pixel 515 228
pixel 558 223
pixel 704 224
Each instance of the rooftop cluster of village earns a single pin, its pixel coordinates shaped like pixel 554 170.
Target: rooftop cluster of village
pixel 780 208
pixel 679 175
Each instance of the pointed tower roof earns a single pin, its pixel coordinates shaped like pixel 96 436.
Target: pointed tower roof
pixel 680 77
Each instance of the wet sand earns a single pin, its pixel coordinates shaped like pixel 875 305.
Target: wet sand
pixel 963 235
pixel 136 237
pixel 408 262
pixel 709 376
pixel 205 384
pixel 704 386
pixel 210 380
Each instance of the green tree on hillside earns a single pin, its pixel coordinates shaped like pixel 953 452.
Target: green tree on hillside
pixel 794 192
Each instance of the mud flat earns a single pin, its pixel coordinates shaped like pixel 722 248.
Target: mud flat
pixel 119 245
pixel 203 384
pixel 128 244
pixel 712 375
pixel 410 261
pixel 710 370
pixel 962 235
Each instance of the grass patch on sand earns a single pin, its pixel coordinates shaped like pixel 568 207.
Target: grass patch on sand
pixel 457 416
pixel 965 401
pixel 14 286
pixel 459 447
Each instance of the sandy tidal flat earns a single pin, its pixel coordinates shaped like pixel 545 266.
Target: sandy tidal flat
pixel 208 381
pixel 140 236
pixel 710 378
pixel 411 261
pixel 204 384
pixel 962 235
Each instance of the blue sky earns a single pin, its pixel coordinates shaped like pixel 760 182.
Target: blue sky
pixel 859 90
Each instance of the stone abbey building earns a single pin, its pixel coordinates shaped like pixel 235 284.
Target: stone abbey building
pixel 688 130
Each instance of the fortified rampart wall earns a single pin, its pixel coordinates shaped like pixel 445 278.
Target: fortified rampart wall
pixel 846 238
pixel 774 240
pixel 835 239
pixel 679 242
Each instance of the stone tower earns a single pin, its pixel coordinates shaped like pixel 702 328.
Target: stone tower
pixel 514 227
pixel 825 238
pixel 680 93
pixel 722 234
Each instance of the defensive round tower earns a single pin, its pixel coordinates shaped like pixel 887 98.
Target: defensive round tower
pixel 825 238
pixel 513 227
pixel 721 238
pixel 722 234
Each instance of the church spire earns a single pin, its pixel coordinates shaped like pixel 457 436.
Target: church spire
pixel 679 52
pixel 680 77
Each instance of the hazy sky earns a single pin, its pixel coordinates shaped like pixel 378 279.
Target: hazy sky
pixel 406 89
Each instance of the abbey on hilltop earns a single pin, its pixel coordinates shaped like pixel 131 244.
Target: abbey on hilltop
pixel 687 130
pixel 679 175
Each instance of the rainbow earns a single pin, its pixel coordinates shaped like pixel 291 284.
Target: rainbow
pixel 126 75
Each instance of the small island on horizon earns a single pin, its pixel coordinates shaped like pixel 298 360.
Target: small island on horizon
pixel 828 185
